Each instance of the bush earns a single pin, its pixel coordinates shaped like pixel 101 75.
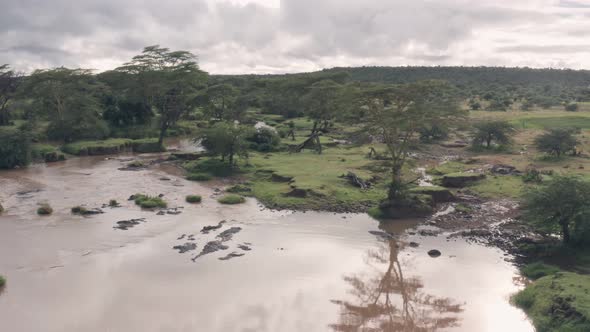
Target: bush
pixel 44 210
pixel 538 270
pixel 1 208
pixel 113 203
pixel 15 148
pixel 532 175
pixel 557 142
pixel 198 177
pixel 571 107
pixel 231 199
pixel 487 133
pixel 2 281
pixel 78 210
pixel 264 140
pixel 149 202
pixel 433 133
pixel 193 199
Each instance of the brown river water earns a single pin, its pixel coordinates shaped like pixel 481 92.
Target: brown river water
pixel 305 271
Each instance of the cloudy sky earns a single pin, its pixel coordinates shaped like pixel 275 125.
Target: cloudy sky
pixel 276 36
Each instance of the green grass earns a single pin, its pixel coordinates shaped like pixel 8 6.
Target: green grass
pixel 198 177
pixel 193 198
pixel 538 270
pixel 447 168
pixel 582 122
pixel 39 150
pixel 499 186
pixel 44 210
pixel 210 166
pixel 558 302
pixel 149 202
pixel 231 199
pixel 112 146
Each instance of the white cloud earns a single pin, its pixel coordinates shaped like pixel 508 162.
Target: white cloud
pixel 272 36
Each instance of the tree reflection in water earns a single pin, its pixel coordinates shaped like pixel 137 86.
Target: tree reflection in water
pixel 388 301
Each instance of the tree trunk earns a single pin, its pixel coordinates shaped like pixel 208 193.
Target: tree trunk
pixel 163 129
pixel 395 188
pixel 565 229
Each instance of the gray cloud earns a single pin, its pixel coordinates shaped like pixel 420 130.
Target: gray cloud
pixel 257 36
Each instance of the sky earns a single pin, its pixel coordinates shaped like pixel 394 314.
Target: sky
pixel 284 36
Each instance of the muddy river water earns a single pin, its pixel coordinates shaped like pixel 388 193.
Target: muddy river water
pixel 293 271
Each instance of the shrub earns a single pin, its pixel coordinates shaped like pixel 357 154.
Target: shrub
pixel 486 133
pixel 193 199
pixel 231 199
pixel 2 281
pixel 557 142
pixel 264 140
pixel 532 175
pixel 78 210
pixel 1 208
pixel 44 210
pixel 113 203
pixel 571 107
pixel 149 202
pixel 199 177
pixel 433 133
pixel 15 148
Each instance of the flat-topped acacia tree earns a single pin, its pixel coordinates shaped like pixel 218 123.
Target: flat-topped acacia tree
pixel 395 113
pixel 169 81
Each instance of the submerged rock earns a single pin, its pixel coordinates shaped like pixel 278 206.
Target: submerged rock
pixel 230 256
pixel 381 235
pixel 189 246
pixel 228 233
pixel 126 224
pixel 414 244
pixel 211 247
pixel 245 247
pixel 434 253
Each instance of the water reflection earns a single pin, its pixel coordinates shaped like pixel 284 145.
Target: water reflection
pixel 387 300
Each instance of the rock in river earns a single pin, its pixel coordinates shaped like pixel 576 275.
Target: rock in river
pixel 126 224
pixel 210 247
pixel 189 246
pixel 228 233
pixel 230 256
pixel 434 253
pixel 207 229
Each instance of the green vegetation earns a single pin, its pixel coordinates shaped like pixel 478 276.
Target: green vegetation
pixel 492 132
pixel 199 177
pixel 538 270
pixel 149 202
pixel 193 199
pixel 113 203
pixel 44 209
pixel 558 302
pixel 557 142
pixel 2 281
pixel 14 148
pixel 231 199
pixel 111 146
pixel 1 208
pixel 79 210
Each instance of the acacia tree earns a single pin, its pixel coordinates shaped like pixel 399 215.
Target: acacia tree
pixel 9 82
pixel 69 97
pixel 220 102
pixel 395 113
pixel 557 141
pixel 168 81
pixel 559 205
pixel 226 139
pixel 489 132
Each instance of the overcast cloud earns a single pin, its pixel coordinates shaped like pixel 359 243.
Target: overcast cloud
pixel 272 36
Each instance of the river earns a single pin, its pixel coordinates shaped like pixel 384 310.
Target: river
pixel 305 271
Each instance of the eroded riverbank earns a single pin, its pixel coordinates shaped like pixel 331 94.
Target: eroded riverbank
pixel 305 271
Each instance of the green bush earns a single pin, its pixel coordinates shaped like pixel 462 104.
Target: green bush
pixel 149 202
pixel 231 199
pixel 44 210
pixel 538 270
pixel 193 199
pixel 113 203
pixel 239 188
pixel 78 210
pixel 1 208
pixel 2 281
pixel 15 148
pixel 198 177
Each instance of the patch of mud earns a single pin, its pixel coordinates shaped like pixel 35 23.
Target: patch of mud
pixel 126 224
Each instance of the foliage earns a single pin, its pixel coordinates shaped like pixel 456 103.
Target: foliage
pixel 538 270
pixel 264 139
pixel 2 281
pixel 9 83
pixel 226 140
pixel 434 132
pixel 44 209
pixel 193 198
pixel 559 206
pixel 395 113
pixel 532 175
pixel 489 132
pixel 70 99
pixel 149 202
pixel 169 81
pixel 15 148
pixel 113 203
pixel 557 141
pixel 231 199
pixel 571 107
